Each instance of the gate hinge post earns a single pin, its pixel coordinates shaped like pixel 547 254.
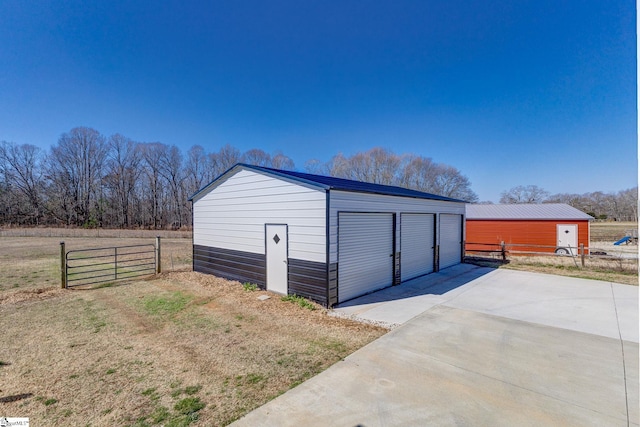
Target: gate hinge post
pixel 158 256
pixel 63 266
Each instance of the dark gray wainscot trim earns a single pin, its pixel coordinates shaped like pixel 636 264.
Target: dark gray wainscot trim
pixel 308 279
pixel 230 264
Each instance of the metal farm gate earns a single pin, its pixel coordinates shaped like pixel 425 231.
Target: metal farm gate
pixel 105 265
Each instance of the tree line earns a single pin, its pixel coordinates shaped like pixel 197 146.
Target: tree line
pixel 619 206
pixel 382 166
pixel 89 180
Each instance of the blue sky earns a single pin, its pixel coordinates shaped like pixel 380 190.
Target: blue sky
pixel 510 93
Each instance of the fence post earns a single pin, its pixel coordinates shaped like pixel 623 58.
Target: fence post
pixel 115 256
pixel 63 266
pixel 503 251
pixel 158 256
pixel 582 254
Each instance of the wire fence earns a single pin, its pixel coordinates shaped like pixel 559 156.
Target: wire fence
pixel 596 255
pixel 93 232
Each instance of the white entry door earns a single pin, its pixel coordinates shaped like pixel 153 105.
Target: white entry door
pixel 277 269
pixel 568 237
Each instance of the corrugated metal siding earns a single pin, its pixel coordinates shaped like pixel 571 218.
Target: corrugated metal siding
pixel 333 284
pixel 450 240
pixel 365 253
pixel 229 264
pixel 233 214
pixel 360 202
pixel 417 240
pixel 530 232
pixel 308 279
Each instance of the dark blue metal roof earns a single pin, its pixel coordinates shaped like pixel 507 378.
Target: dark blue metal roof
pixel 332 183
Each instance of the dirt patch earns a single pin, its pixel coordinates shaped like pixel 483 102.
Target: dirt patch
pixel 30 295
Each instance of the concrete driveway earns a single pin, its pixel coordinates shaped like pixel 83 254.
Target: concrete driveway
pixel 474 346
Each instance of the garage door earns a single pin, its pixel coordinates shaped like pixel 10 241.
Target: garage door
pixel 417 233
pixel 450 240
pixel 365 253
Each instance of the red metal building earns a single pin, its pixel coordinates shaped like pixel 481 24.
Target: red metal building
pixel 547 227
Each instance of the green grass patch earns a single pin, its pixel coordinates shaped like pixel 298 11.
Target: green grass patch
pixel 169 305
pixel 50 402
pixel 249 287
pixel 192 389
pixel 189 405
pixel 160 415
pixel 301 301
pixel 93 318
pixel 151 393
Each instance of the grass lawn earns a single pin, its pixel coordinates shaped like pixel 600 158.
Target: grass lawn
pixel 183 348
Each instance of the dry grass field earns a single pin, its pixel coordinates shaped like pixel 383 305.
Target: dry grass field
pixel 610 231
pixel 179 349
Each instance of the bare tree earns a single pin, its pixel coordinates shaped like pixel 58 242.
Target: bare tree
pixel 223 160
pixel 377 165
pixel 171 171
pixel 316 167
pixel 524 194
pixel 6 214
pixel 382 166
pixel 451 183
pixel 620 206
pixel 20 165
pixel 339 166
pixel 196 169
pixel 628 204
pixel 282 162
pixel 122 174
pixel 151 154
pixel 419 173
pixel 75 165
pixel 257 157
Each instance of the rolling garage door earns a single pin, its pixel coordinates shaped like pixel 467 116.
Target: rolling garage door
pixel 365 253
pixel 450 240
pixel 417 241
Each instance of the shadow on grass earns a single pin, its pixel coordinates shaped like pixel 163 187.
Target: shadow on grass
pixel 15 397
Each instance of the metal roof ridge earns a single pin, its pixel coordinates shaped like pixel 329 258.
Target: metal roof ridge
pixel 324 182
pixel 382 189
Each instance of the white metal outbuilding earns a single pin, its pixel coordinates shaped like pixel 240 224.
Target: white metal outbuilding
pixel 324 238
